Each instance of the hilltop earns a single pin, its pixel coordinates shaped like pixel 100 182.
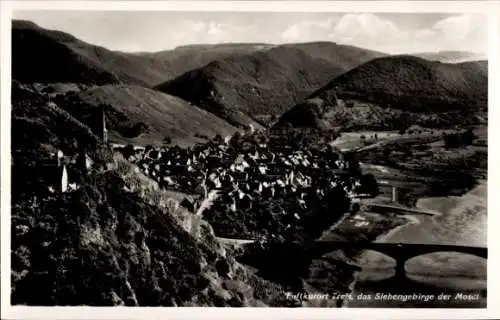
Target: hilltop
pixel 66 58
pixel 264 83
pixel 242 83
pixel 143 116
pixel 39 55
pixel 414 84
pixel 392 91
pixel 344 57
pixel 186 58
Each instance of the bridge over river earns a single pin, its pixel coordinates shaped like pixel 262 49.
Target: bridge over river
pixel 400 252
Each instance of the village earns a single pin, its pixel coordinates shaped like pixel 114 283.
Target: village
pixel 266 183
pixel 254 173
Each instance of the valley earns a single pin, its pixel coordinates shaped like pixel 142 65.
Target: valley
pixel 206 175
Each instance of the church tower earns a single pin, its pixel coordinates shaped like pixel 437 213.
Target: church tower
pixel 97 123
pixel 104 129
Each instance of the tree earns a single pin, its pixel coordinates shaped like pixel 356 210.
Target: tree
pixel 218 139
pixel 354 167
pixel 298 139
pixel 459 139
pixel 48 90
pixel 330 98
pixel 369 184
pixel 451 141
pixel 167 140
pixel 468 137
pixel 236 139
pixel 386 153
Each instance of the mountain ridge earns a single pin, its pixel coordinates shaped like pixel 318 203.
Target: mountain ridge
pixel 394 91
pixel 264 83
pixel 451 56
pixel 403 75
pixel 96 62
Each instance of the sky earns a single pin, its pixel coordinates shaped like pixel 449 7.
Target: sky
pixel 156 31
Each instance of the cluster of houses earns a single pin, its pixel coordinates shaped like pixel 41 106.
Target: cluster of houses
pixel 250 171
pixel 247 173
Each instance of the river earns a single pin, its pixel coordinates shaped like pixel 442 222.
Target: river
pixel 463 221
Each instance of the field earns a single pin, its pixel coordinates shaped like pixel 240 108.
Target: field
pixel 420 164
pixel 354 140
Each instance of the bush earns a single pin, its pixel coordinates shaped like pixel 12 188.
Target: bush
pixel 217 139
pixel 369 185
pixel 167 140
pixel 456 140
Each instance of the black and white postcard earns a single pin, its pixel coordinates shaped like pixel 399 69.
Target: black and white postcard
pixel 249 159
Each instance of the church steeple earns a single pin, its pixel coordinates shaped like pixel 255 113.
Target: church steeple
pixel 97 122
pixel 104 132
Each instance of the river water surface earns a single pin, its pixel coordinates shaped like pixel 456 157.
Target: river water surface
pixel 462 222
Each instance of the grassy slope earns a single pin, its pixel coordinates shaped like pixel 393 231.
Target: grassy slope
pixel 163 115
pixel 90 64
pixel 265 82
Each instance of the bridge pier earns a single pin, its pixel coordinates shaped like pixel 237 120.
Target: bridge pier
pixel 400 269
pixel 400 252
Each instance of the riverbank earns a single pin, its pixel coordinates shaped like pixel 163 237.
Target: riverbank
pixel 420 178
pixel 389 229
pixel 293 267
pixel 411 220
pixel 462 221
pixel 335 272
pixel 382 237
pixel 472 204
